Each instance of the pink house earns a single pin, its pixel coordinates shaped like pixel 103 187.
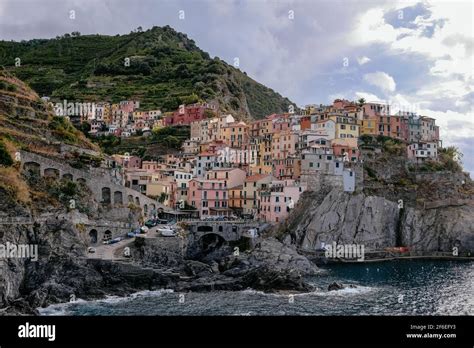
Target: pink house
pixel 209 197
pixel 231 177
pixel 278 199
pixel 128 162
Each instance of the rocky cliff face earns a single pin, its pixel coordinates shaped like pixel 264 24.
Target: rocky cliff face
pixel 377 223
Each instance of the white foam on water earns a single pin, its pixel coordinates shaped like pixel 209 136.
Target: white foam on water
pixel 63 308
pixel 135 295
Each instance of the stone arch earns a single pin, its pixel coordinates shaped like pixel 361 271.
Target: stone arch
pixel 118 197
pixel 32 168
pixel 52 173
pixel 81 181
pixel 211 241
pixel 106 195
pixel 205 228
pixel 68 177
pixel 221 228
pixel 107 235
pixel 93 236
pixel 137 201
pixel 130 199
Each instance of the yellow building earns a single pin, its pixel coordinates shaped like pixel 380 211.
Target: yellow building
pixel 234 134
pixel 346 127
pixel 368 126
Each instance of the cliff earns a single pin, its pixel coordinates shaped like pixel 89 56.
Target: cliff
pixel 378 223
pixel 428 208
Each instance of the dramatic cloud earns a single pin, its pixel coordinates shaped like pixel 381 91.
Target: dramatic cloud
pixel 382 80
pixel 421 52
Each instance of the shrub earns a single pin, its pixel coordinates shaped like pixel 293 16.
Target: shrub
pixel 5 158
pixel 370 172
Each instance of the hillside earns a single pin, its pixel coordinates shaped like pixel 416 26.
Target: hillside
pixel 166 69
pixel 27 123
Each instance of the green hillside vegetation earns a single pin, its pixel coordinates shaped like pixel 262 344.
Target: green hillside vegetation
pixel 160 67
pixel 162 141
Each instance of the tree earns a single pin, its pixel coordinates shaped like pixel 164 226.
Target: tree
pixel 361 102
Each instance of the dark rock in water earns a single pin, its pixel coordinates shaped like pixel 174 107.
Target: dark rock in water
pixel 267 279
pixel 339 286
pixel 335 286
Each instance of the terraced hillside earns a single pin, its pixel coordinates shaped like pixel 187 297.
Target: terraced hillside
pixel 160 67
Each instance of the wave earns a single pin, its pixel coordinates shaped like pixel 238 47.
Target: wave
pixel 65 308
pixel 346 291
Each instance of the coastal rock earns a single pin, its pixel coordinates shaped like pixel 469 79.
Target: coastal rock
pixel 378 223
pixel 268 279
pixel 197 269
pixel 335 286
pixel 280 257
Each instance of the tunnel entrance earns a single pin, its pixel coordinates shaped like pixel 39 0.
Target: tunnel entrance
pixel 210 242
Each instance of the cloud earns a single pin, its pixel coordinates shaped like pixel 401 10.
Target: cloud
pixel 427 48
pixel 363 60
pixel 369 97
pixel 381 80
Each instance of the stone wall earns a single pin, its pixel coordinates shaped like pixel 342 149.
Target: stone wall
pixel 100 185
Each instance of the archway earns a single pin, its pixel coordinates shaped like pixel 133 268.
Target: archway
pixel 93 236
pixel 211 241
pixel 51 173
pixel 68 177
pixel 106 195
pixel 81 181
pixel 145 209
pixel 137 201
pixel 32 168
pixel 118 199
pixel 130 199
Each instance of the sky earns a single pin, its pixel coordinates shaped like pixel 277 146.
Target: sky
pixel 415 55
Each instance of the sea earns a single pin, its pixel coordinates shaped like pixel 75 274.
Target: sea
pixel 400 287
